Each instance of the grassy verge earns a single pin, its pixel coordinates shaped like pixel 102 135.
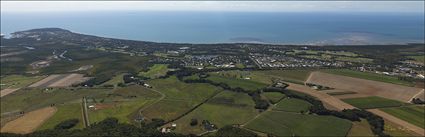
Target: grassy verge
pixel 372 102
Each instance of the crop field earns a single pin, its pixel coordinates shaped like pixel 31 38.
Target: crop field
pixel 292 105
pixel 360 129
pixel 273 97
pixel 363 86
pixel 368 76
pixel 234 83
pixel 179 97
pixel 289 124
pixel 155 71
pixel 18 81
pixel 227 108
pixel 372 102
pixel 29 121
pixel 31 99
pixel 64 112
pixel 412 114
pixel 397 131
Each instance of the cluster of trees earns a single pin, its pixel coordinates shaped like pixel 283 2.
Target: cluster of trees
pixel 417 101
pixel 376 122
pixel 67 124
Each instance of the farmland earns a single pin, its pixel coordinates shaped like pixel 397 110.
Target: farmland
pixel 420 59
pixel 362 86
pixel 60 80
pixel 64 112
pixel 292 105
pixel 411 114
pixel 220 111
pixel 287 124
pixel 18 81
pixel 29 122
pixel 369 76
pixel 295 76
pixel 155 71
pixel 361 128
pixel 115 80
pixel 372 102
pixel 179 97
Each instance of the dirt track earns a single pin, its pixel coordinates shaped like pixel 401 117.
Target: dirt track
pixel 398 121
pixel 7 91
pixel 366 87
pixel 325 98
pixel 29 122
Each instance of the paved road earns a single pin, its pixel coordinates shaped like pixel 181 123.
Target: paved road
pixel 398 121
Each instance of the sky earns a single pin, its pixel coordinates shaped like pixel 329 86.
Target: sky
pixel 267 6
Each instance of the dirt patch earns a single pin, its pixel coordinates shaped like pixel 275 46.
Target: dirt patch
pixel 29 121
pixel 7 91
pixel 103 106
pixel 328 100
pixel 366 87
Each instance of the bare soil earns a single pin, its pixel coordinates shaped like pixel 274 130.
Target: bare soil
pixel 29 122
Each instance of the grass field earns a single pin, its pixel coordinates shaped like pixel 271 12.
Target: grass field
pixel 31 99
pixel 288 124
pixel 18 81
pixel 273 97
pixel 360 129
pixel 234 83
pixel 295 76
pixel 292 105
pixel 369 76
pixel 64 112
pixel 372 102
pixel 395 130
pixel 227 108
pixel 420 59
pixel 155 71
pixel 179 97
pixel 115 80
pixel 412 114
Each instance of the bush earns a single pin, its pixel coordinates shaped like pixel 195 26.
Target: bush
pixel 67 124
pixel 193 122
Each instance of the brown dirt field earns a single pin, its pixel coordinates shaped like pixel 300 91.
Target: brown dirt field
pixel 328 100
pixel 398 121
pixel 362 86
pixel 7 91
pixel 43 81
pixel 103 106
pixel 29 121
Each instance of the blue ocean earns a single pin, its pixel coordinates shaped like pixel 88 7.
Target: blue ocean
pixel 227 27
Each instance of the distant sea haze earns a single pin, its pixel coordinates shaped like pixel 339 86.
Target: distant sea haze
pixel 228 27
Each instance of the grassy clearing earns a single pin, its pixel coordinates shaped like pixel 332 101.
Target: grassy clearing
pixel 64 112
pixel 155 71
pixel 226 108
pixel 273 97
pixel 168 109
pixel 372 102
pixel 412 114
pixel 18 81
pixel 360 129
pixel 395 130
pixel 288 124
pixel 31 99
pixel 115 80
pixel 234 83
pixel 369 76
pixel 292 105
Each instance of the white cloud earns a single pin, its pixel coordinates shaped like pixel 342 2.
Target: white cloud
pixel 278 6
